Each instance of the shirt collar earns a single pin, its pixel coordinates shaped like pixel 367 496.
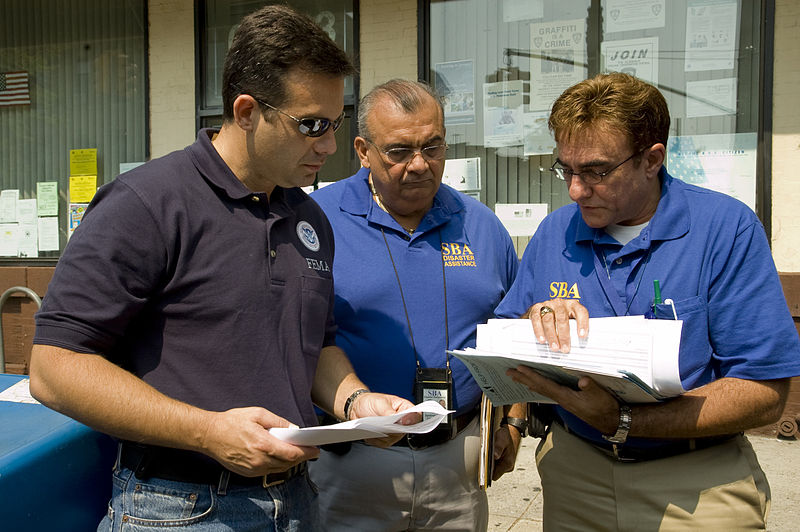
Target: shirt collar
pixel 357 200
pixel 216 172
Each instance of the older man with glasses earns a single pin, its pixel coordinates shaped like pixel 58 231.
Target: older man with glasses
pixel 634 231
pixel 418 265
pixel 191 311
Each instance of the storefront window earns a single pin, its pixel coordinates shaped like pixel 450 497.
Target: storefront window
pixel 72 114
pixel 501 63
pixel 219 21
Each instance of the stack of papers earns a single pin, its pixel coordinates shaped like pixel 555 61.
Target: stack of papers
pixel 634 358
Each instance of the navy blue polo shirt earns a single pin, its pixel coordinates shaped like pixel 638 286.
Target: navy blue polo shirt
pixel 215 295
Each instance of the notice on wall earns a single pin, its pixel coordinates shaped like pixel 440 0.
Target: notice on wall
pixel 710 35
pixel 83 162
pixel 463 174
pixel 26 219
pixel 514 10
pixel 47 233
pixel 8 205
pixel 28 244
pixel 558 59
pixel 76 212
pixel 26 211
pixel 47 198
pixel 725 163
pixel 82 188
pixel 455 82
pixel 502 113
pixel 538 140
pixel 126 167
pixel 713 97
pixel 9 240
pixel 627 15
pixel 637 57
pixel 521 219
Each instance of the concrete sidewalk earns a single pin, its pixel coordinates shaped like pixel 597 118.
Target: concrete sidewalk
pixel 515 501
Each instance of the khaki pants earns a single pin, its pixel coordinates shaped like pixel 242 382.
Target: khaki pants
pixel 718 488
pixel 374 490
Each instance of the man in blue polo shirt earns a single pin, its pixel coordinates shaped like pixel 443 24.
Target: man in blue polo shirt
pixel 684 463
pixel 418 266
pixel 192 309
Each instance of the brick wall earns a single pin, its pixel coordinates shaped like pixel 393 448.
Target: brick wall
pixel 791 412
pixel 786 138
pixel 172 75
pixel 388 41
pixel 17 314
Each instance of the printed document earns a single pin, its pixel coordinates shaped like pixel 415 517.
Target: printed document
pixel 633 357
pixel 363 428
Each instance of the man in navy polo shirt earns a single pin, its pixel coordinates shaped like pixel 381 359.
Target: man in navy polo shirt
pixel 192 309
pixel 682 464
pixel 418 266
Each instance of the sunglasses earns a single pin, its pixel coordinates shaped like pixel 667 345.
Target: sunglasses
pixel 310 127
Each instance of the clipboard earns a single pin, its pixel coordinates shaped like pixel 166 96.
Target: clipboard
pixel 490 421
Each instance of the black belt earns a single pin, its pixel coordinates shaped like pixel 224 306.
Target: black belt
pixel 437 437
pixel 623 453
pixel 147 461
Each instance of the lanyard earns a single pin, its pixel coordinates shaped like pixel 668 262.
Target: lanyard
pixel 405 308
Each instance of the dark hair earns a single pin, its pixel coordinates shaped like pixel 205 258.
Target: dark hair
pixel 405 94
pixel 615 101
pixel 267 45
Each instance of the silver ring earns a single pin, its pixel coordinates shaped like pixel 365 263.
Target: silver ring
pixel 545 310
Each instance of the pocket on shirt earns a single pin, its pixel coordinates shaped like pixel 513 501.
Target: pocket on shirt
pixel 316 293
pixel 696 350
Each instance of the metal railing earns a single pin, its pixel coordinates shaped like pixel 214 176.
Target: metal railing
pixel 3 298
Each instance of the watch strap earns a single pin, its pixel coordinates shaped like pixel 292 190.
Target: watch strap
pixel 624 426
pixel 518 423
pixel 348 405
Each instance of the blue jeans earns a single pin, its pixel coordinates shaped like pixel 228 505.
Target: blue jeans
pixel 155 504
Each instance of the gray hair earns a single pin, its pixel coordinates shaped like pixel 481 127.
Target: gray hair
pixel 407 95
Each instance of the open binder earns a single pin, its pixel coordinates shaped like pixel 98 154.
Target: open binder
pixel 634 358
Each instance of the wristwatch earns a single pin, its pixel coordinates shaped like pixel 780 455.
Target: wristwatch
pixel 520 424
pixel 624 426
pixel 349 403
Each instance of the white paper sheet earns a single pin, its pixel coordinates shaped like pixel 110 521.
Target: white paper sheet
pixel 19 392
pixel 521 219
pixel 365 427
pixel 633 357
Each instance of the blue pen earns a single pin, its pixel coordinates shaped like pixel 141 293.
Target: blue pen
pixel 656 296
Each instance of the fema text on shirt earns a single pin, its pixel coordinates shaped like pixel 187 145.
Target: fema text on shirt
pixel 455 254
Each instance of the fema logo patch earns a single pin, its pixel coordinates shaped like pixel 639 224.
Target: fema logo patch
pixel 308 236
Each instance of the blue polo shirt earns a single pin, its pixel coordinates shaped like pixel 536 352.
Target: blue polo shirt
pixel 215 295
pixel 460 238
pixel 711 257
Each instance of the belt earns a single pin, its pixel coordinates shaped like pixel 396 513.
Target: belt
pixel 623 453
pixel 147 461
pixel 437 437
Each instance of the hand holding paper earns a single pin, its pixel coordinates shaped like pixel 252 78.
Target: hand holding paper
pixel 363 428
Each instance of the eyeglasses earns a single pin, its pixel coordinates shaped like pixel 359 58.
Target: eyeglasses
pixel 310 127
pixel 590 177
pixel 405 155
